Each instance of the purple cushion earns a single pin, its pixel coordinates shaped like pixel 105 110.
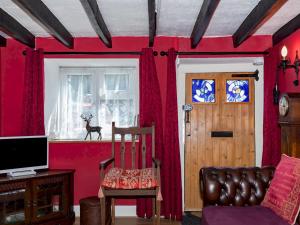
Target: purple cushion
pixel 249 215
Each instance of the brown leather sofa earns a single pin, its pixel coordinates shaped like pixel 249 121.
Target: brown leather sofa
pixel 232 196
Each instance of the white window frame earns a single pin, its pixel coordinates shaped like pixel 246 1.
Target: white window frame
pixel 52 76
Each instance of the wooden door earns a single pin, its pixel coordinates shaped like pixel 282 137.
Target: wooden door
pixel 222 106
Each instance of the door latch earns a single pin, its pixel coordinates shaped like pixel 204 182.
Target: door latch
pixel 187 108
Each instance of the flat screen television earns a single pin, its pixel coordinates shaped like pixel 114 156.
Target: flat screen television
pixel 23 155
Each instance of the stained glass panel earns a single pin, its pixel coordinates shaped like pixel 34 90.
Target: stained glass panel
pixel 203 90
pixel 237 91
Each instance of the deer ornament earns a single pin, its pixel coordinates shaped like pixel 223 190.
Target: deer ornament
pixel 89 128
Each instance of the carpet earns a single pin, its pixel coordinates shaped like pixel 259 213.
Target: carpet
pixel 190 219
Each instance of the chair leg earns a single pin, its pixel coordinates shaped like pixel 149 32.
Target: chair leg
pixel 157 212
pixel 113 211
pixel 153 211
pixel 102 210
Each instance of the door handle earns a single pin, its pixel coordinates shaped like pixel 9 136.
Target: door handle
pixel 187 116
pixel 187 108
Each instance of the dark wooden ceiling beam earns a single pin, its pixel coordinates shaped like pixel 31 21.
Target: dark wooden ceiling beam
pixel 93 12
pixel 39 11
pixel 206 12
pixel 2 41
pixel 152 21
pixel 286 30
pixel 13 28
pixel 258 16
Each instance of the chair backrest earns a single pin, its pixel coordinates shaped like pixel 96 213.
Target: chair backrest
pixel 135 133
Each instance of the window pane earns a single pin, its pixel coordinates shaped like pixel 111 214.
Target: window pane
pixel 120 111
pixel 80 83
pixel 237 91
pixel 118 82
pixel 117 102
pixel 78 99
pixel 203 90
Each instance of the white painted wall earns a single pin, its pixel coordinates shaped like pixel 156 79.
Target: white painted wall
pixel 202 65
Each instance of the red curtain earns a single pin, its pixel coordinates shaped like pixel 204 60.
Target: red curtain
pixel 33 98
pixel 171 170
pixel 271 133
pixel 150 111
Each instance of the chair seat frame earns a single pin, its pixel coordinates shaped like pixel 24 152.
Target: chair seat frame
pixel 109 194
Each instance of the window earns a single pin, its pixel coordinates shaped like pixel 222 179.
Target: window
pixel 203 90
pixel 237 91
pixel 107 93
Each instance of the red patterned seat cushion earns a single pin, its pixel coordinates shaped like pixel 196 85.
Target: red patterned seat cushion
pixel 283 195
pixel 118 178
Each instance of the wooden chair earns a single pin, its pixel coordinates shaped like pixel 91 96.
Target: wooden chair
pixel 113 185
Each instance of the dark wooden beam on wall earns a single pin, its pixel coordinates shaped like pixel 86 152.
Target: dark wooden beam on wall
pixel 40 12
pixel 2 41
pixel 93 12
pixel 152 21
pixel 258 16
pixel 286 30
pixel 13 28
pixel 206 12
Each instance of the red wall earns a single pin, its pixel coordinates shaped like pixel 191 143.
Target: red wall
pixel 285 80
pixel 82 156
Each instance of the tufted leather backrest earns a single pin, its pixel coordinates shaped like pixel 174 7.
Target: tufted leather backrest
pixel 234 186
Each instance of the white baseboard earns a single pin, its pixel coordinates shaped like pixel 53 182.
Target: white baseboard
pixel 121 210
pixel 125 210
pixel 77 210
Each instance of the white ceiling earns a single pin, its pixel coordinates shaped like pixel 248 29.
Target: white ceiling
pixel 289 10
pixel 174 17
pixel 228 16
pixel 177 17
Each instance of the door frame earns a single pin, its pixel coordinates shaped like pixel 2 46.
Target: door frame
pixel 207 65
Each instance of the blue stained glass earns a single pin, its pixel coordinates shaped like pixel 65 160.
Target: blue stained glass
pixel 237 91
pixel 203 90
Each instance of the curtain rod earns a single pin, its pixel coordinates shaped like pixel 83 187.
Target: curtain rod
pixel 155 53
pixel 164 53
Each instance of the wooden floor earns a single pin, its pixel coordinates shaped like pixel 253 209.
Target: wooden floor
pixel 136 221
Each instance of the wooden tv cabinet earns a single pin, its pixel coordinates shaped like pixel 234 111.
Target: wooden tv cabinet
pixel 45 198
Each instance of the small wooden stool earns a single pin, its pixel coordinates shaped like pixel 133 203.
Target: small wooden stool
pixel 90 213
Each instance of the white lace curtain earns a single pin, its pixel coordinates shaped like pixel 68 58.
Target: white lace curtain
pixel 108 93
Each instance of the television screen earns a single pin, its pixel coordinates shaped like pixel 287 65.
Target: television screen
pixel 22 153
